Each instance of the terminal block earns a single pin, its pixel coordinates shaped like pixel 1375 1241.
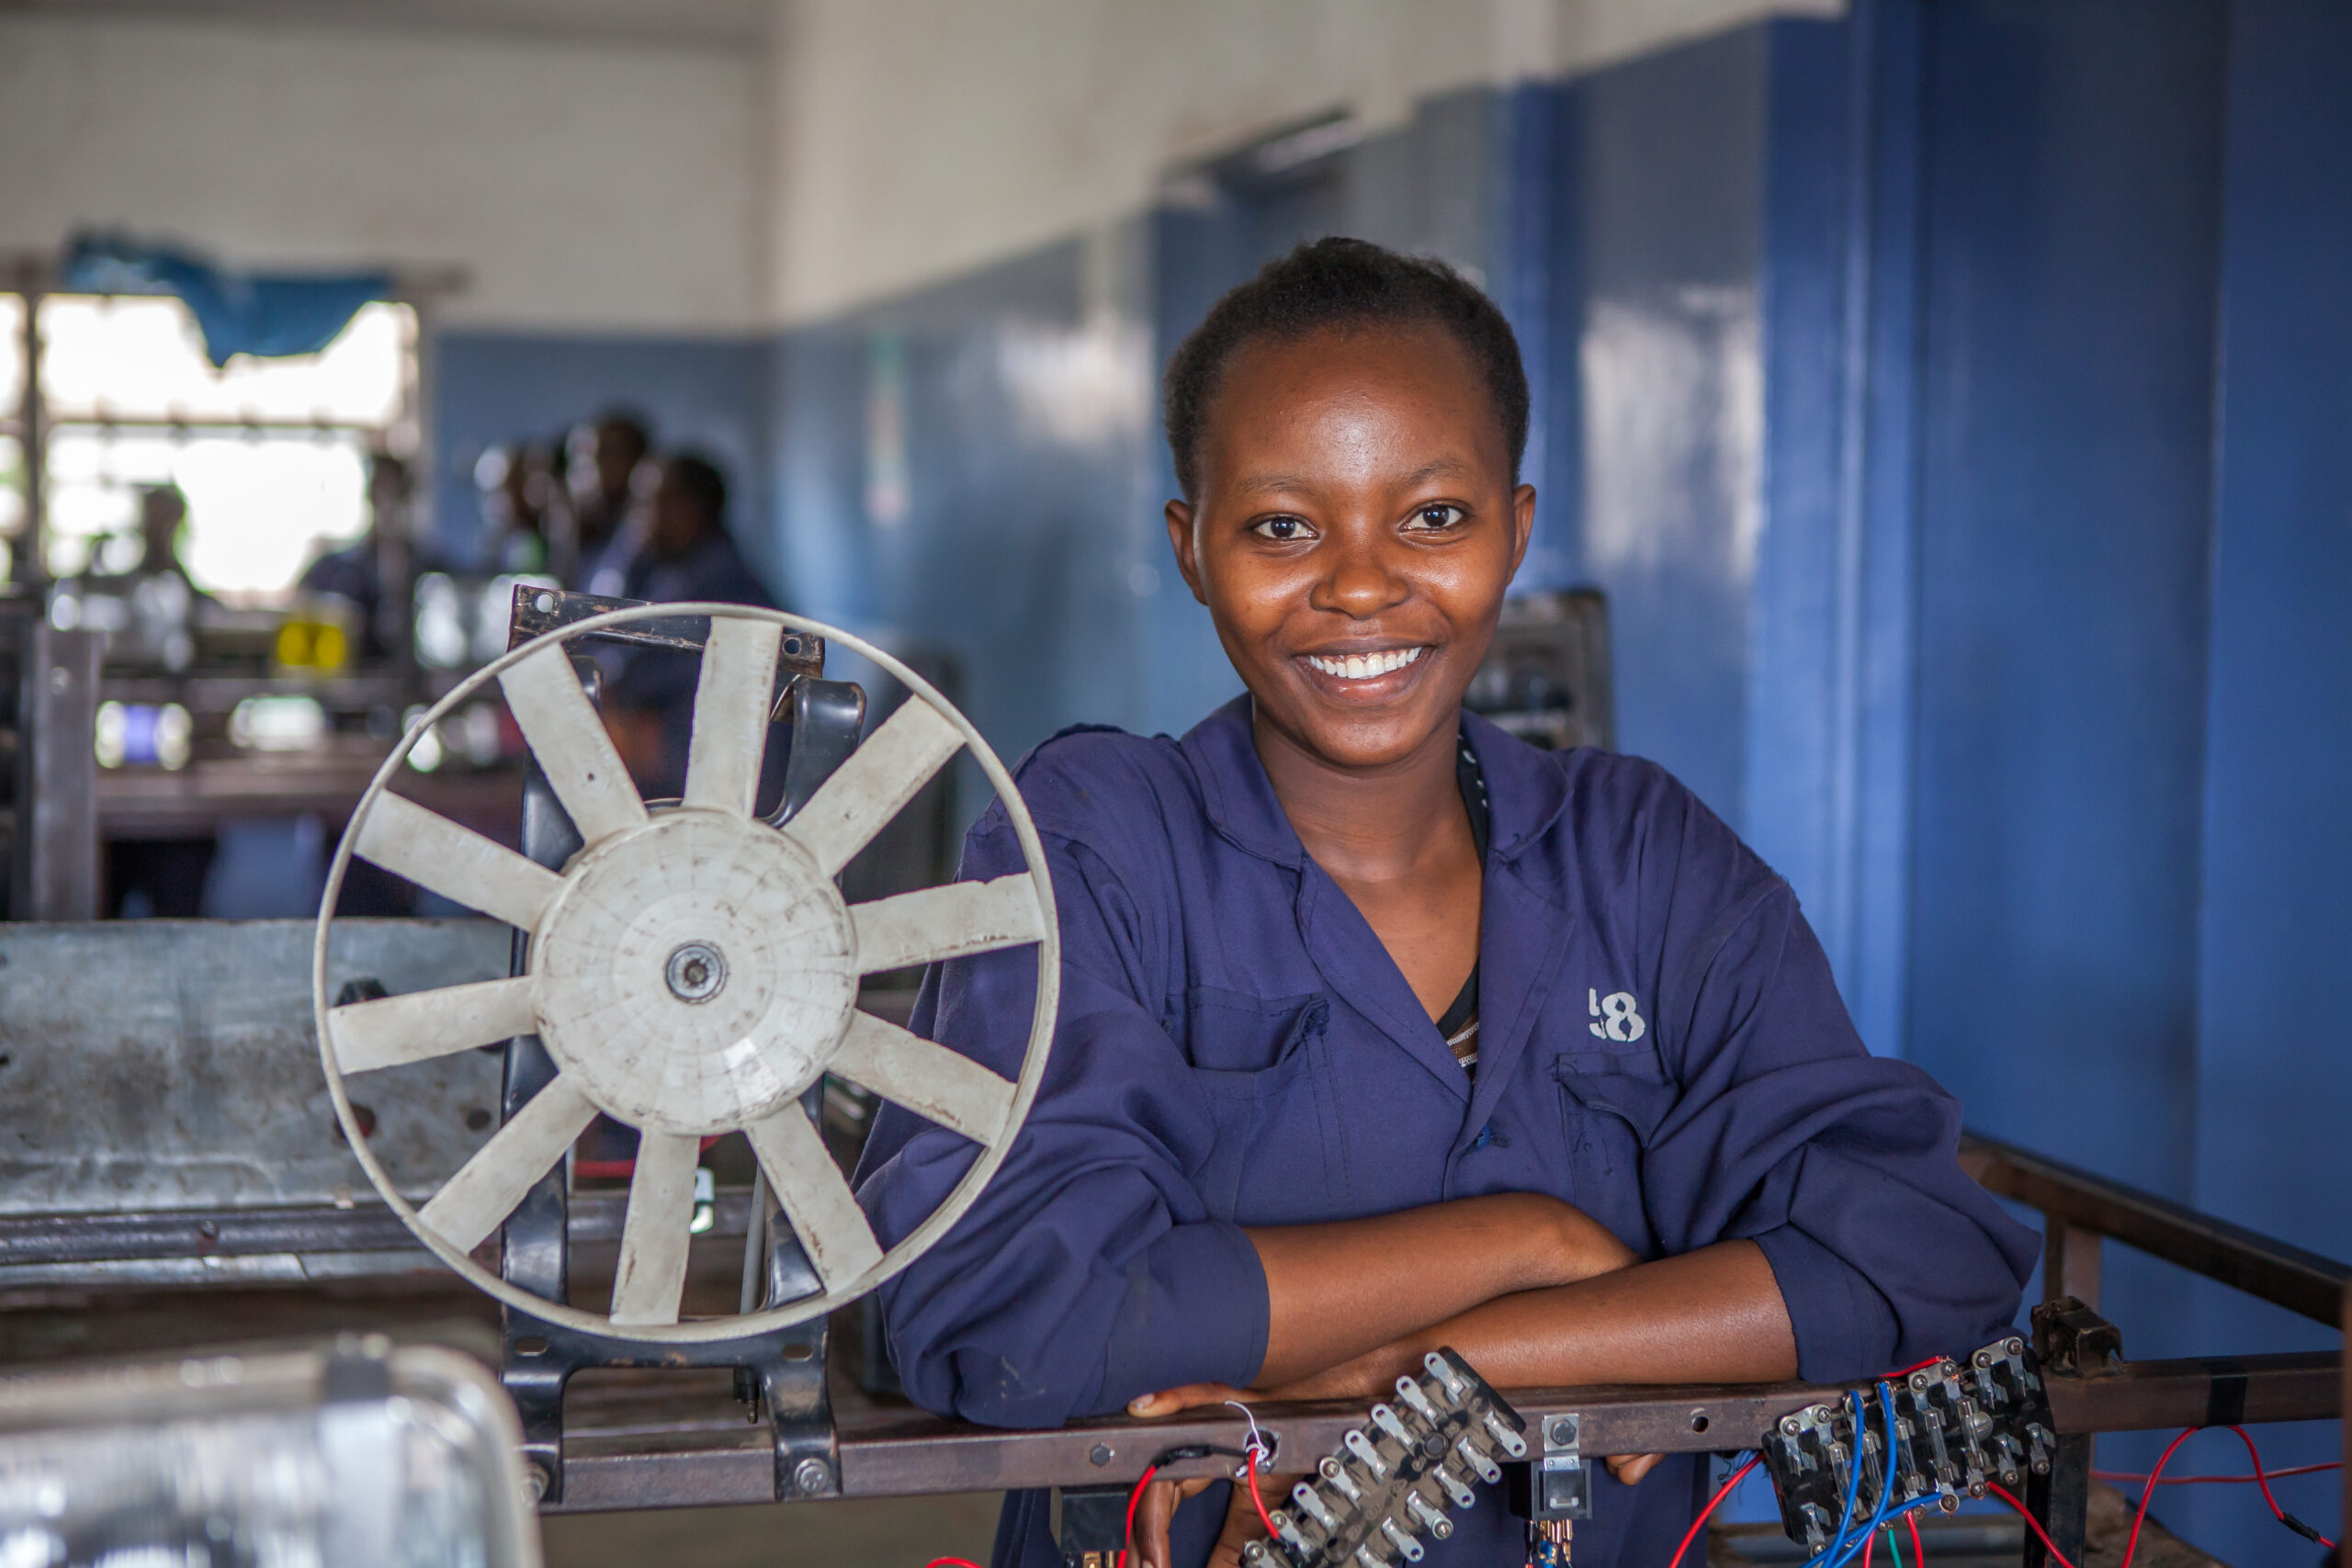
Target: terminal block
pixel 1395 1478
pixel 1957 1427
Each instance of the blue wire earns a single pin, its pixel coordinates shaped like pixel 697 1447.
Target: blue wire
pixel 1879 1515
pixel 1834 1553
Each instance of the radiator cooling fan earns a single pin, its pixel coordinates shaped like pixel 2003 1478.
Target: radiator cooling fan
pixel 692 970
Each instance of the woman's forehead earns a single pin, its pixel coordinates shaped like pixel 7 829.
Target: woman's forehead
pixel 1401 401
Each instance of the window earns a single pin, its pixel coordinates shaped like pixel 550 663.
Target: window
pixel 271 454
pixel 12 445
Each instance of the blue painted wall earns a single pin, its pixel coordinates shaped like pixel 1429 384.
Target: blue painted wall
pixel 1655 455
pixel 2272 1095
pixel 959 476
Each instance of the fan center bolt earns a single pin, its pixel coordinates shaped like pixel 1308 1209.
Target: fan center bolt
pixel 696 972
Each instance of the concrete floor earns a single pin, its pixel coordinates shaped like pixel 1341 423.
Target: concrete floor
pixel 899 1532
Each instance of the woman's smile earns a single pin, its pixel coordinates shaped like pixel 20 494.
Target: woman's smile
pixel 1366 675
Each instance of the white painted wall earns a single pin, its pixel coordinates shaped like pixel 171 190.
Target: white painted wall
pixel 603 182
pixel 918 139
pixel 585 185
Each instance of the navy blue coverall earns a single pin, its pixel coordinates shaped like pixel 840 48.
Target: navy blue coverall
pixel 1661 1045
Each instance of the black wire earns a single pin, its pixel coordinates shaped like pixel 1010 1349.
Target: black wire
pixel 1198 1450
pixel 2301 1528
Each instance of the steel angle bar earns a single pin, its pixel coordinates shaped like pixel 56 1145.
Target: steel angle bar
pixel 307 1229
pixel 684 1454
pixel 2201 1392
pixel 220 1233
pixel 2262 1266
pixel 537 611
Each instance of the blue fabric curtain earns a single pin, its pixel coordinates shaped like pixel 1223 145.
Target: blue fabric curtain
pixel 267 315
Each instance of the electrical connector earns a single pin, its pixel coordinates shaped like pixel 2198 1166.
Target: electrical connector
pixel 1394 1480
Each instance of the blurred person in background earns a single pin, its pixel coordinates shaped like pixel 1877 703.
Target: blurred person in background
pixel 687 556
pixel 162 514
pixel 601 462
pixel 159 876
pixel 357 573
pixel 515 484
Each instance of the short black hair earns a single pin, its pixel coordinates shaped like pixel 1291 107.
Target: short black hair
pixel 1344 283
pixel 699 478
pixel 625 421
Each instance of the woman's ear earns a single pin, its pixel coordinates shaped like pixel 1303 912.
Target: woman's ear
pixel 1179 539
pixel 1522 517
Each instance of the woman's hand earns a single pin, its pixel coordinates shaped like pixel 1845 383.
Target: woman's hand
pixel 1241 1526
pixel 1372 1375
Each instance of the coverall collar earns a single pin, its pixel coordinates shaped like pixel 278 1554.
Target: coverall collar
pixel 1523 932
pixel 1525 792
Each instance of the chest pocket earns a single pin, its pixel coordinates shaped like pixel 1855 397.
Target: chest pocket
pixel 1612 1103
pixel 1254 1060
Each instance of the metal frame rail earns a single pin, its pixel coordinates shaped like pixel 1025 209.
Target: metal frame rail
pixel 639 1448
pixel 2082 1352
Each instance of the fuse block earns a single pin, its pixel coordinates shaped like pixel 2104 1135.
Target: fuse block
pixel 1395 1479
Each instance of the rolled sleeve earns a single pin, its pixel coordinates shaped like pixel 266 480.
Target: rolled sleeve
pixel 1195 1310
pixel 1841 1320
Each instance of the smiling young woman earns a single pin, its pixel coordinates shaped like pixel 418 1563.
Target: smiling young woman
pixel 1334 1080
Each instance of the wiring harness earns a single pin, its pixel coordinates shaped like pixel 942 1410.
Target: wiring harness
pixel 1927 1438
pixel 1394 1479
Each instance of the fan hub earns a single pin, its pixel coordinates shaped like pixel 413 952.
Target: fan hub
pixel 696 975
pixel 696 972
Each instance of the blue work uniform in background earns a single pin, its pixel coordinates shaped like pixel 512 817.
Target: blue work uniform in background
pixel 1661 1044
pixel 661 681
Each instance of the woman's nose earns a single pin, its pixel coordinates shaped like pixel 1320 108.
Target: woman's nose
pixel 1362 581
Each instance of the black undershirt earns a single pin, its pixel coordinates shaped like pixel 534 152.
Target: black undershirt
pixel 1461 1015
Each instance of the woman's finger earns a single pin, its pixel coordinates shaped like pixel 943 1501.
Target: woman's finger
pixel 1152 1514
pixel 1242 1523
pixel 1158 1510
pixel 1630 1468
pixel 1189 1397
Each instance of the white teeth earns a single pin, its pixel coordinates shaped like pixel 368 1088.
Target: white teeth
pixel 1366 666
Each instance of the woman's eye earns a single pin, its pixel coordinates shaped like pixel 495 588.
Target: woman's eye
pixel 1282 530
pixel 1431 518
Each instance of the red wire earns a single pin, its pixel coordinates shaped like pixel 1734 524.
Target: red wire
pixel 2218 1479
pixel 2035 1526
pixel 1133 1498
pixel 1701 1522
pixel 1263 1517
pixel 1869 1543
pixel 2263 1481
pixel 2149 1490
pixel 1919 1553
pixel 951 1563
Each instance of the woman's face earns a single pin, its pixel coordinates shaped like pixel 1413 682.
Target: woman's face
pixel 1355 528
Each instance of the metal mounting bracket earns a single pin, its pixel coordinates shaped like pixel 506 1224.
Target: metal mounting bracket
pixel 2070 1340
pixel 783 1370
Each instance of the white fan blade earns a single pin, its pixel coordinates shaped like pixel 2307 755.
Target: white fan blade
pixel 817 1198
pixel 879 777
pixel 393 1031
pixel 487 1187
pixel 654 1236
pixel 933 923
pixel 569 740
pixel 927 1078
pixel 457 863
pixel 732 701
